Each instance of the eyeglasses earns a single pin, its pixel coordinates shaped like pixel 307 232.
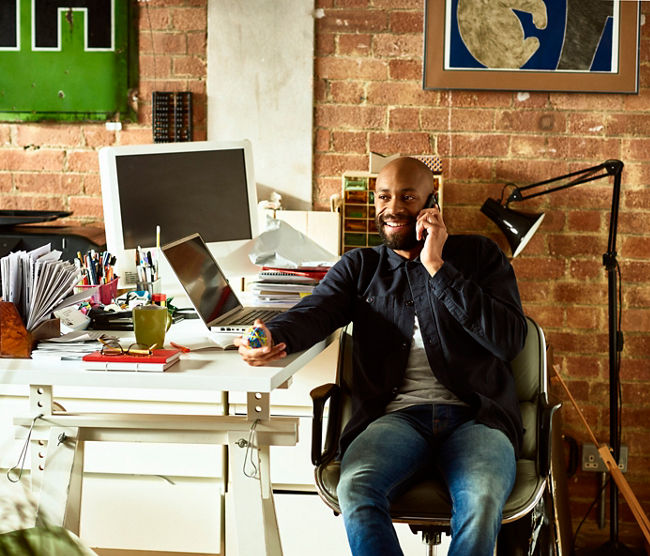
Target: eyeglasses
pixel 112 347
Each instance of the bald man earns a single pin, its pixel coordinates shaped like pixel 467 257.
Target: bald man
pixel 436 319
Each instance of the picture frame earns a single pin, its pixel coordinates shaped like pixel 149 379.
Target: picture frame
pixel 530 46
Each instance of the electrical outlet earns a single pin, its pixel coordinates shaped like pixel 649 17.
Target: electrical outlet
pixel 591 459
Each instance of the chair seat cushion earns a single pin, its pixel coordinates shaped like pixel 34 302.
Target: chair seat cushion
pixel 429 500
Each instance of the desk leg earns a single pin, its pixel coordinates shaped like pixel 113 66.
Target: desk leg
pixel 40 402
pixel 60 500
pixel 252 500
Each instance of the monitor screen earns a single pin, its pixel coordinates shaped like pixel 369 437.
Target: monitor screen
pixel 184 188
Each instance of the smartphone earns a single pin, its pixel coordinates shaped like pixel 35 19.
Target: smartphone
pixel 432 201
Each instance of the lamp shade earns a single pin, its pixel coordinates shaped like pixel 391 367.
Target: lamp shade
pixel 518 227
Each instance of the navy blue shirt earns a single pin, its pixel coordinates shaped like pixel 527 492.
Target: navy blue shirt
pixel 470 317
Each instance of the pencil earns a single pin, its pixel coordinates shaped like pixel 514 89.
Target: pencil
pixel 157 249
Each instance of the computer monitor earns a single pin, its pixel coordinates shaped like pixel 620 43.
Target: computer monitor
pixel 206 187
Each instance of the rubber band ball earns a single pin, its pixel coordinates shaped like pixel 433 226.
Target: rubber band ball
pixel 256 337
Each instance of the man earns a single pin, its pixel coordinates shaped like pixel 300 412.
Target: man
pixel 436 318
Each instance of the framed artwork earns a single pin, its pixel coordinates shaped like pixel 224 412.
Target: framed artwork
pixel 532 45
pixel 67 59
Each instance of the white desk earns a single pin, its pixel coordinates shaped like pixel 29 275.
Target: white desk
pixel 57 467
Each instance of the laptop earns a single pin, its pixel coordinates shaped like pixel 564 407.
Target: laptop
pixel 208 289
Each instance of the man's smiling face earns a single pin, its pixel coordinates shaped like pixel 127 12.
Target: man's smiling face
pixel 401 192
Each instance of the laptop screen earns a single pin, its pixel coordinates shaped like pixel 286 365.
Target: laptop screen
pixel 201 277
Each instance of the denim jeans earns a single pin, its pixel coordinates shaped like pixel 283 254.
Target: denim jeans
pixel 476 462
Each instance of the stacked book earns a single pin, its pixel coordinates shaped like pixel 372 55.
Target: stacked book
pixel 159 360
pixel 284 287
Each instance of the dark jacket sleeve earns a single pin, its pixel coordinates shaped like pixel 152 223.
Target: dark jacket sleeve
pixel 316 316
pixel 484 300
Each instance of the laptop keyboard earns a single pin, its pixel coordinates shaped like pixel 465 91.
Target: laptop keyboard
pixel 249 315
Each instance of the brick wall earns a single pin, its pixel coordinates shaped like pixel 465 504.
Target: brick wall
pixel 53 166
pixel 368 97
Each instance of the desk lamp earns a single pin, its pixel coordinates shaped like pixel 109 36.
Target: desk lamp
pixel 518 228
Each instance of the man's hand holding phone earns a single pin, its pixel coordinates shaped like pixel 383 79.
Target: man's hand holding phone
pixel 258 357
pixel 431 228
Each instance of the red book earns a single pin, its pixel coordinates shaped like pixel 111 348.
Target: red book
pixel 159 360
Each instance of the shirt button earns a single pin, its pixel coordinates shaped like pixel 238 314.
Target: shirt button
pixel 409 303
pixel 370 299
pixel 404 345
pixel 394 390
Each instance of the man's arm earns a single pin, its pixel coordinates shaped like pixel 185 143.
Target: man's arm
pixel 487 304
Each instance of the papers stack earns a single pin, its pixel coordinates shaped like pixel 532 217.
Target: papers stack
pixel 37 282
pixel 276 286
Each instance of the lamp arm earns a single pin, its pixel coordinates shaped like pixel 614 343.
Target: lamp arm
pixel 607 168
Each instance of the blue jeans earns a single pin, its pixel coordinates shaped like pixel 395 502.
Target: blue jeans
pixel 477 463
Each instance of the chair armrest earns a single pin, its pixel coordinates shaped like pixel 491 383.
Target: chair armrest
pixel 547 409
pixel 319 396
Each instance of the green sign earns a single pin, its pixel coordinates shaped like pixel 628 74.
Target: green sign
pixel 66 60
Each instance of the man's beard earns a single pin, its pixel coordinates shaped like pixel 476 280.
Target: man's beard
pixel 400 242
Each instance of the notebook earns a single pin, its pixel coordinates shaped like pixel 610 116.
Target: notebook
pixel 208 289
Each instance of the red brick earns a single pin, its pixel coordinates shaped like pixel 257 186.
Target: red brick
pixel 540 268
pixel 535 146
pixel 471 120
pixel 584 101
pixel 352 21
pixel 397 46
pixel 136 136
pixel 587 123
pixel 351 68
pixel 586 269
pixel 575 245
pixel 154 19
pixel 481 145
pixel 594 148
pixel 581 294
pixel 354 45
pixel 5 134
pixel 197 43
pixel 189 65
pixel 189 19
pixel 350 117
pixel 585 318
pixel 634 248
pixel 347 92
pixel 434 118
pixel 637 149
pixel 404 119
pixel 406 22
pixel 82 161
pixel 635 271
pixel 168 43
pixel 585 367
pixel 96 135
pixel 637 296
pixel 336 164
pixel 402 93
pixel 322 142
pixel 628 124
pixel 405 70
pixel 528 171
pixel 398 4
pixel 532 121
pixel 155 67
pixel 584 221
pixel 32 159
pixel 575 342
pixel 477 99
pixel 43 134
pixel 325 188
pixel 400 142
pixel 86 207
pixel 325 44
pixel 39 183
pixel 6 184
pixel 350 142
pixel 636 319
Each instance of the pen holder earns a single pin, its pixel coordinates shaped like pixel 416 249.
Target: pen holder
pixel 105 293
pixel 151 287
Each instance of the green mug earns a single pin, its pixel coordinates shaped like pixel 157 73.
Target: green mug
pixel 150 322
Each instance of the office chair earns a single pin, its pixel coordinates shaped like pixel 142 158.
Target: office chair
pixel 426 506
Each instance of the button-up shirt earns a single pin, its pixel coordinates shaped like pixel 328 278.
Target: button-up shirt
pixel 470 316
